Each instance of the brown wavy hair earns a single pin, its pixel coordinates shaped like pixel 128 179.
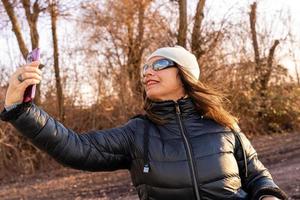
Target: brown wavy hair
pixel 208 101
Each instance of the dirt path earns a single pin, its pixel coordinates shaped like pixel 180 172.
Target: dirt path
pixel 280 153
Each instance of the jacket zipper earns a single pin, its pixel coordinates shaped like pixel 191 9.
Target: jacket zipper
pixel 189 152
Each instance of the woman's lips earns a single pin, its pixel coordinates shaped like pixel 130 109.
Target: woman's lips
pixel 149 83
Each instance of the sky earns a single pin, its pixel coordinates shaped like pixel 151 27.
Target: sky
pixel 11 58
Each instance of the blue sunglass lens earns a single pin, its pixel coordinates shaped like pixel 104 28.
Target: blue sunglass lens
pixel 159 65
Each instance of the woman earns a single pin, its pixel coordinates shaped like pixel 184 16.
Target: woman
pixel 185 147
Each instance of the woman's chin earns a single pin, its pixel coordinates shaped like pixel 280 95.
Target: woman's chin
pixel 153 96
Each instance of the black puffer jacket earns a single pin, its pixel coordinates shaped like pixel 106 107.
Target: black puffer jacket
pixel 188 154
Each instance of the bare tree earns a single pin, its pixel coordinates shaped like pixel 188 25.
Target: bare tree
pixel 254 35
pixel 60 97
pixel 263 66
pixel 32 18
pixel 263 70
pixel 15 26
pixel 182 30
pixel 127 28
pixel 196 47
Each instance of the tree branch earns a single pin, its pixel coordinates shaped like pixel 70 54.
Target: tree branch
pixel 15 27
pixel 254 34
pixel 182 31
pixel 199 16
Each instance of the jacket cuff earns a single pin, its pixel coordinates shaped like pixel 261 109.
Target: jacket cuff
pixel 8 108
pixel 271 191
pixel 13 114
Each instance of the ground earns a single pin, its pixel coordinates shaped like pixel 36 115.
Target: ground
pixel 279 153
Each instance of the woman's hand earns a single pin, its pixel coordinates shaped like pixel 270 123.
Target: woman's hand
pixel 30 74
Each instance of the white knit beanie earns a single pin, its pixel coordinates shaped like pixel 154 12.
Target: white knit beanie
pixel 181 56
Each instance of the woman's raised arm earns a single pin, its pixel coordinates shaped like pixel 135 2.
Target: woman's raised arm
pixel 103 150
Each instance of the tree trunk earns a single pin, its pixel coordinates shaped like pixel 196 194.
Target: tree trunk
pixel 267 73
pixel 32 19
pixel 60 97
pixel 254 35
pixel 196 48
pixel 15 27
pixel 182 31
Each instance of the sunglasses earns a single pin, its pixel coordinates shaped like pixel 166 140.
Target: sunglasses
pixel 159 65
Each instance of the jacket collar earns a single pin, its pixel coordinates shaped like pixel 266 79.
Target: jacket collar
pixel 167 109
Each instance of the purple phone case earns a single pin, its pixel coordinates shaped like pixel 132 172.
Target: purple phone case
pixel 30 90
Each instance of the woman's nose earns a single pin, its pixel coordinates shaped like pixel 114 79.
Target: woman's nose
pixel 149 71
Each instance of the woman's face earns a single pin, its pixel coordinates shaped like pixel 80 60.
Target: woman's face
pixel 164 84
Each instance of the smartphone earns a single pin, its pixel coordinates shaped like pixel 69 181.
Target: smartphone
pixel 30 90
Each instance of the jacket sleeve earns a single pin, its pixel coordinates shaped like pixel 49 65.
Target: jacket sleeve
pixel 103 150
pixel 259 181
